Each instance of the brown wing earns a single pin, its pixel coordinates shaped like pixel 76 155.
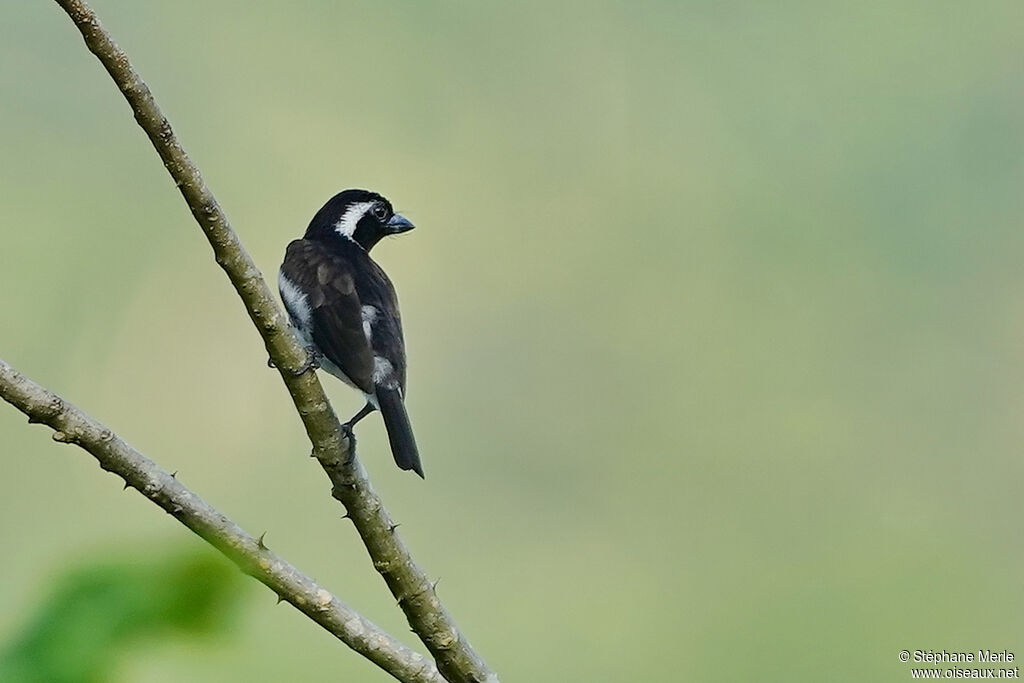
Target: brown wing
pixel 335 309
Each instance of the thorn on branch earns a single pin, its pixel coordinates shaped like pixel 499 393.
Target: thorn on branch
pixel 393 526
pixel 259 541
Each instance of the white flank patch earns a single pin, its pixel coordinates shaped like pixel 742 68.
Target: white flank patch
pixel 295 302
pixel 382 371
pixel 369 314
pixel 346 225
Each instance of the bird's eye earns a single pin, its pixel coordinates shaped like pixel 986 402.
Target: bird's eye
pixel 380 212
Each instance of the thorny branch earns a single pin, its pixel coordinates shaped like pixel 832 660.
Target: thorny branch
pixel 455 657
pixel 73 426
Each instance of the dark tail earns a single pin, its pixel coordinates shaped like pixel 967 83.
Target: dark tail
pixel 396 421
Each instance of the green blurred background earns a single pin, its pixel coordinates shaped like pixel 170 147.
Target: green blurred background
pixel 715 320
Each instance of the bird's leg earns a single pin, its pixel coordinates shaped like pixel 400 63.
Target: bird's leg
pixel 347 427
pixel 363 412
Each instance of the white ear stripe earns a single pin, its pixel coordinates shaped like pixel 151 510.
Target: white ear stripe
pixel 346 225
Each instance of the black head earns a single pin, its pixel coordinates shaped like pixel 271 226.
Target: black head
pixel 359 215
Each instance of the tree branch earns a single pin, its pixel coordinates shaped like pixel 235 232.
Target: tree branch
pixel 250 554
pixel 455 657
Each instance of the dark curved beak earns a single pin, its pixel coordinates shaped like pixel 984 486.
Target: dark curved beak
pixel 399 224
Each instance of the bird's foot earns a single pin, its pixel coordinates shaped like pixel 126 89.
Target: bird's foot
pixel 312 362
pixel 350 434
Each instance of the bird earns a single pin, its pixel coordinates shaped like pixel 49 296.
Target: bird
pixel 345 310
